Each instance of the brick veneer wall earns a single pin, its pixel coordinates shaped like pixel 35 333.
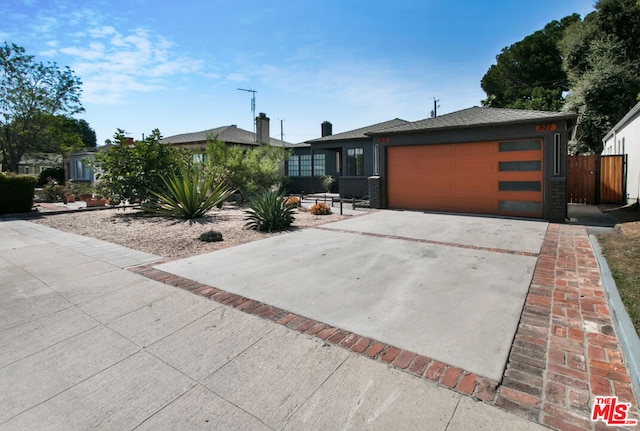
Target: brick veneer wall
pixel 557 200
pixel 374 192
pixel 354 187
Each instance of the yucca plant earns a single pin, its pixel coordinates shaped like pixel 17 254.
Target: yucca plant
pixel 268 212
pixel 187 195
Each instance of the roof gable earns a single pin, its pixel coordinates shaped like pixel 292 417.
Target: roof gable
pixel 630 116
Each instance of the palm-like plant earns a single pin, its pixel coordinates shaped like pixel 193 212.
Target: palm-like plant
pixel 268 212
pixel 188 195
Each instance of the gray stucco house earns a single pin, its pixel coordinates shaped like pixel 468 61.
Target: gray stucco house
pixel 350 157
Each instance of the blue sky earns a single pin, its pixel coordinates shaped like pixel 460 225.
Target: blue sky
pixel 176 66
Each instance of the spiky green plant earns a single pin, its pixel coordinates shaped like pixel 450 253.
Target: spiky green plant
pixel 187 195
pixel 268 212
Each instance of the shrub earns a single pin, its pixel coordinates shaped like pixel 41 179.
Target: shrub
pixel 320 209
pixel 16 193
pixel 187 195
pixel 48 174
pixel 268 212
pixel 52 191
pixel 293 202
pixel 211 236
pixel 327 182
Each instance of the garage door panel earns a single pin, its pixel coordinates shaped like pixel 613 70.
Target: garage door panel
pixel 467 177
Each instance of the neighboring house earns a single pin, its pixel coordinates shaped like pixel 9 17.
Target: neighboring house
pixel 624 139
pixel 80 164
pixel 33 165
pixel 350 157
pixel 230 135
pixel 477 160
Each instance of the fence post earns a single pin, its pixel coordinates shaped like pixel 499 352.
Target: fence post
pixel 340 206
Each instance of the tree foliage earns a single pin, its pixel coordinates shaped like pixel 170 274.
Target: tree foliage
pixel 529 73
pixel 247 171
pixel 135 170
pixel 602 60
pixel 32 97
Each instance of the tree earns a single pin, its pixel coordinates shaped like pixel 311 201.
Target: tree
pixel 134 170
pixel 247 171
pixel 31 93
pixel 529 74
pixel 602 60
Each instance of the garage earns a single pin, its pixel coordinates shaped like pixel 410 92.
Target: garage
pixel 502 178
pixel 496 161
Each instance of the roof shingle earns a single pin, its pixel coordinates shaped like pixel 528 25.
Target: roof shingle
pixel 362 132
pixel 477 116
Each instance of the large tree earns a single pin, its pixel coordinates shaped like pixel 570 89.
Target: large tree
pixel 602 60
pixel 32 95
pixel 529 73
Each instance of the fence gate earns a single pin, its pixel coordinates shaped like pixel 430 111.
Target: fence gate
pixel 597 179
pixel 582 180
pixel 613 179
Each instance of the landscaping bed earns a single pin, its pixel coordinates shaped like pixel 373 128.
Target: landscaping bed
pixel 622 252
pixel 170 238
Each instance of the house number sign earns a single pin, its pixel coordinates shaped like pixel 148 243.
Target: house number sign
pixel 549 127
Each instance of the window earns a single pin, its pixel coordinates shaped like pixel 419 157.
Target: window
pixel 25 170
pixel 519 146
pixel 376 159
pixel 533 165
pixel 318 165
pixel 294 166
pixel 355 161
pixel 305 165
pixel 557 154
pixel 198 158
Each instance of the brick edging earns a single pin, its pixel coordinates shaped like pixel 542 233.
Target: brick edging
pixel 565 351
pixel 563 354
pixel 464 382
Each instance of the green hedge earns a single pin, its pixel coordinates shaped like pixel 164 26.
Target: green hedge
pixel 16 193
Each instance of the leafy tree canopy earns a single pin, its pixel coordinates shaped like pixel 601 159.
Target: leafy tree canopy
pixel 602 61
pixel 247 171
pixel 135 170
pixel 32 96
pixel 529 74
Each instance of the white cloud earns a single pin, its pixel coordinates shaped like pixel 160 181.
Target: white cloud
pixel 115 66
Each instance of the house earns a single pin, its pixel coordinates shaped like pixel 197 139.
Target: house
pixel 477 160
pixel 624 139
pixel 350 157
pixel 34 164
pixel 80 165
pixel 196 142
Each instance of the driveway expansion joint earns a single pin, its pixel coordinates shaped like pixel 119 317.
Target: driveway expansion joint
pixel 428 241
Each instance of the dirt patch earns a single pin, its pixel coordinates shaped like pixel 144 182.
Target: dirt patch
pixel 170 238
pixel 622 252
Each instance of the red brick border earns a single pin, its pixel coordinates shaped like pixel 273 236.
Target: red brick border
pixel 564 352
pixel 467 383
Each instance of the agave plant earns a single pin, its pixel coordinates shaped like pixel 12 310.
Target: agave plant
pixel 188 195
pixel 268 212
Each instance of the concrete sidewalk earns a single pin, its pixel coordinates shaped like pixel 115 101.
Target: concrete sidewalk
pixel 86 344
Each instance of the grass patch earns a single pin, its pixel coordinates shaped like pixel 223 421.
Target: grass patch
pixel 622 252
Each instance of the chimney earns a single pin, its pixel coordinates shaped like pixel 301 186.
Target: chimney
pixel 262 128
pixel 327 129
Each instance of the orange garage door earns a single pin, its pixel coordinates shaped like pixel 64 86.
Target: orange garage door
pixel 485 177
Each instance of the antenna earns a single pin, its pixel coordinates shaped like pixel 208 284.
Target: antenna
pixel 434 113
pixel 253 106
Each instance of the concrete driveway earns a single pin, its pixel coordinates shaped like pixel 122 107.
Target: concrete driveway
pixel 449 287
